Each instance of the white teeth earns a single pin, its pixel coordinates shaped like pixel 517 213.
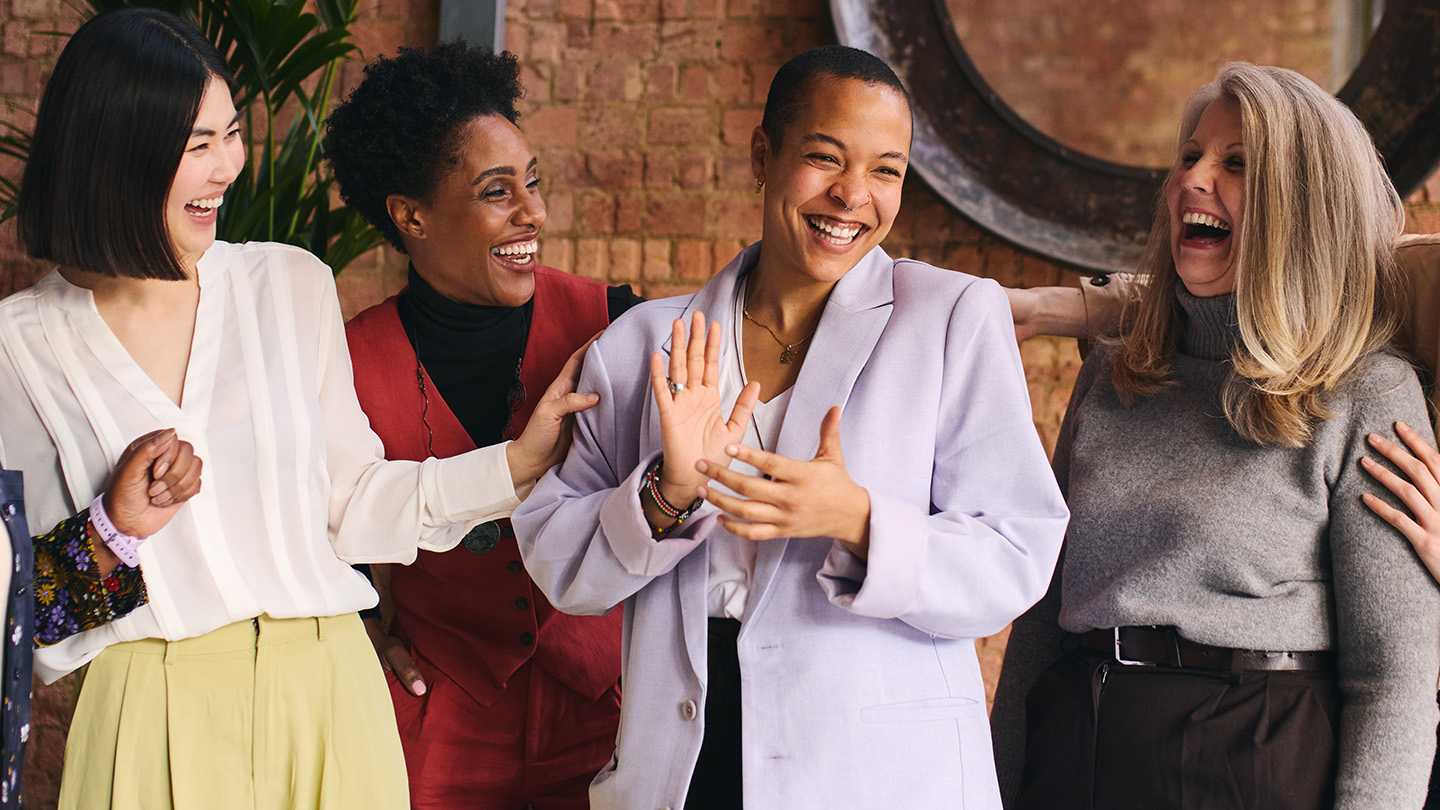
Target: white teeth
pixel 518 249
pixel 1197 218
pixel 212 202
pixel 843 233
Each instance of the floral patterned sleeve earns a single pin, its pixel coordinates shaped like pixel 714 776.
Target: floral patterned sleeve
pixel 70 596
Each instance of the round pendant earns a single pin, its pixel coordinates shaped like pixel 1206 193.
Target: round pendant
pixel 482 538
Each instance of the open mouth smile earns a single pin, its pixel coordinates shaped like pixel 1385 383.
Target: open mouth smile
pixel 517 253
pixel 840 234
pixel 1203 228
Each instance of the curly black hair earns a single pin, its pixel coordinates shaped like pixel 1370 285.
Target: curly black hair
pixel 400 131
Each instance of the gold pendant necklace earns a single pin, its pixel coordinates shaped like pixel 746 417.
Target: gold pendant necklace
pixel 787 354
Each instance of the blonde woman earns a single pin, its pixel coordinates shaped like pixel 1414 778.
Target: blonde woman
pixel 1230 625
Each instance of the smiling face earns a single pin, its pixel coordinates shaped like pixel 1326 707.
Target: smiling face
pixel 475 240
pixel 832 186
pixel 212 159
pixel 1206 198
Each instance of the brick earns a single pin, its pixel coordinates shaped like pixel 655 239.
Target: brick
pixel 662 81
pixel 761 76
pixel 551 126
pixel 578 40
pixel 637 41
pixel 742 8
pixel 546 41
pixel 615 169
pixel 592 258
pixel 597 213
pixel 726 250
pixel 735 172
pixel 629 10
pixel 695 260
pixel 34 9
pixel 536 81
pixel 674 9
pixel 791 8
pixel 628 214
pixel 707 8
pixel 659 170
pixel 576 9
pixel 733 83
pixel 738 218
pixel 656 266
pixel 613 125
pixel 541 8
pixel 675 214
pixel 695 171
pixel 615 81
pixel 690 41
pixel 624 259
pixel 570 81
pixel 679 125
pixel 565 169
pixel 695 85
pixel 744 41
pixel 968 258
pixel 560 209
pixel 17 39
pixel 558 253
pixel 812 35
pixel 737 126
pixel 375 38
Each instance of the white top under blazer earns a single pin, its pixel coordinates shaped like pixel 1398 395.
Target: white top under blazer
pixel 295 484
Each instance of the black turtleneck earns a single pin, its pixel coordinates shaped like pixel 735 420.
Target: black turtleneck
pixel 471 352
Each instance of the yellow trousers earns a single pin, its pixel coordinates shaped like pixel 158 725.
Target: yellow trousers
pixel 269 713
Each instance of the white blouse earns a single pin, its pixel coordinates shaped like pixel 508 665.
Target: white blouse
pixel 295 486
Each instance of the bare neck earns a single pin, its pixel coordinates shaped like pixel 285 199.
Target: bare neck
pixel 787 304
pixel 119 293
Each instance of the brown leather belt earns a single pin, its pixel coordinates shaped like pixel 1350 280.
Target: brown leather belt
pixel 1165 647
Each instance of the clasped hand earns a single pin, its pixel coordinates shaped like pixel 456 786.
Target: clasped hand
pixel 792 498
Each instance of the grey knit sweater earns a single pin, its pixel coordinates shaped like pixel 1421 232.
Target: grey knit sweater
pixel 1177 520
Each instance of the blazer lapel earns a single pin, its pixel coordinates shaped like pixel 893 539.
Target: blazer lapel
pixel 855 315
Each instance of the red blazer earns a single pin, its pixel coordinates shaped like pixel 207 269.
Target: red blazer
pixel 478 617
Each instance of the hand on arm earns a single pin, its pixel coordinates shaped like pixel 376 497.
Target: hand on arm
pixel 1420 493
pixel 547 435
pixel 815 498
pixel 1056 311
pixel 692 429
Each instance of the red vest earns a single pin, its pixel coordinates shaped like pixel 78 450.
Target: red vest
pixel 478 617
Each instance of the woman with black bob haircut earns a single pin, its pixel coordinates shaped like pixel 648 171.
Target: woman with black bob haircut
pixel 226 664
pixel 497 693
pixel 800 620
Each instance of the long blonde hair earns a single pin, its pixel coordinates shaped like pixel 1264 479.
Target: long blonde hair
pixel 1316 286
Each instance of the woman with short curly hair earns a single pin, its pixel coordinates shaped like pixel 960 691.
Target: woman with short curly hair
pixel 502 700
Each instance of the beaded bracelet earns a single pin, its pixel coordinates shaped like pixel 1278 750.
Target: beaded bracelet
pixel 650 485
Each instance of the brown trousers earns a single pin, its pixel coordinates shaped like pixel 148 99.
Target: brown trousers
pixel 1103 736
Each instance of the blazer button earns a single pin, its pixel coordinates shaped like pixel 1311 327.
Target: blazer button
pixel 516 567
pixel 522 603
pixel 527 638
pixel 687 710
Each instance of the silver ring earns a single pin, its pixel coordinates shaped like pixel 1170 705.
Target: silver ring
pixel 675 387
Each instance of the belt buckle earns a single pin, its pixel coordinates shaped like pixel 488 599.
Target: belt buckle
pixel 1120 659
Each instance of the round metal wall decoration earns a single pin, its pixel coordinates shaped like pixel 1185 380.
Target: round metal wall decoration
pixel 1027 188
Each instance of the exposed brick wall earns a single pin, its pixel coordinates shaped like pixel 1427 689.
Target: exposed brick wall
pixel 640 111
pixel 1113 80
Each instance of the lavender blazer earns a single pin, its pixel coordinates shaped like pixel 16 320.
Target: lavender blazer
pixel 861 687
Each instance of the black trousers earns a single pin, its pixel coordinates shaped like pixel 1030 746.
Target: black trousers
pixel 716 783
pixel 1103 736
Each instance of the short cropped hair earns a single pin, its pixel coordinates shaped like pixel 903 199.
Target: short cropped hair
pixel 788 90
pixel 1316 286
pixel 402 129
pixel 109 135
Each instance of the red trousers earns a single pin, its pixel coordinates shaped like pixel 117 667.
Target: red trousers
pixel 540 744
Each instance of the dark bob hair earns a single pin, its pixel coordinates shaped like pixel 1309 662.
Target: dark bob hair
pixel 108 139
pixel 402 129
pixel 788 90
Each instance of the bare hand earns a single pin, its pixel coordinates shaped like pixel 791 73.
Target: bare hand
pixel 815 498
pixel 154 477
pixel 547 435
pixel 1420 494
pixel 395 658
pixel 692 428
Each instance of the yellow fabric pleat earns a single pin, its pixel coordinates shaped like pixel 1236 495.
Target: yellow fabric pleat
pixel 296 717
